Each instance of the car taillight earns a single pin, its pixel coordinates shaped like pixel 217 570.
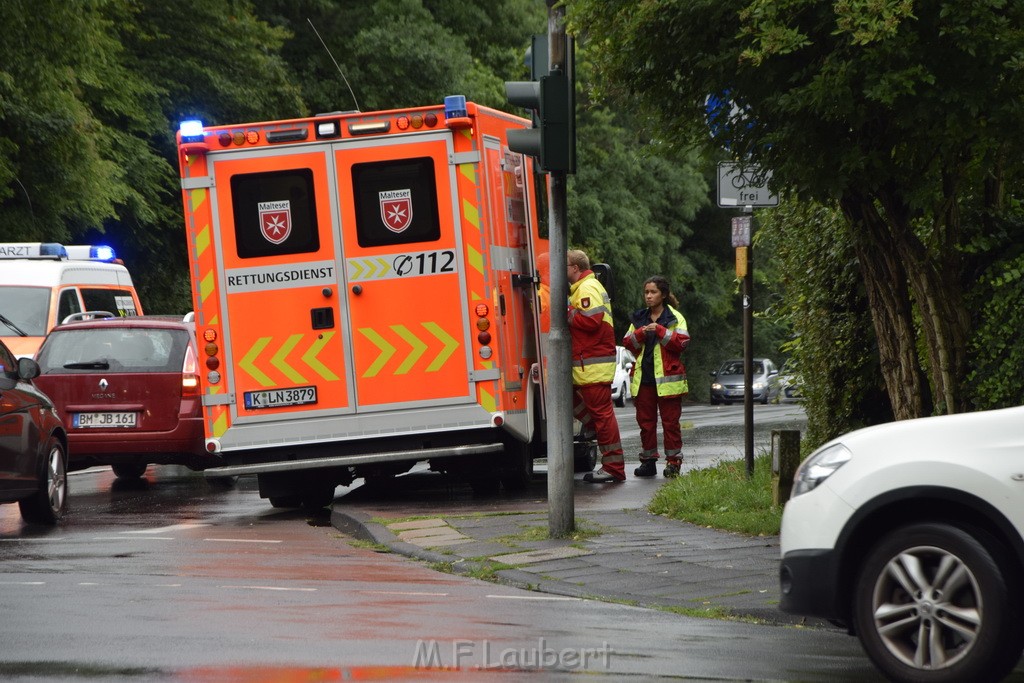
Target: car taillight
pixel 190 373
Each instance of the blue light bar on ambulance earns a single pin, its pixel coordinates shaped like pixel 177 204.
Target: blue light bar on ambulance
pixel 32 250
pixel 90 252
pixel 455 107
pixel 191 131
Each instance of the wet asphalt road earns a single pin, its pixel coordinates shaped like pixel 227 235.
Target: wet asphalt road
pixel 175 578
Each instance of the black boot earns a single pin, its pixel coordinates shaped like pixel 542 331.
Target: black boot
pixel 647 468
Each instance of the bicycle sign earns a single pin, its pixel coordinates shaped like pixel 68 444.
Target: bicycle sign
pixel 744 185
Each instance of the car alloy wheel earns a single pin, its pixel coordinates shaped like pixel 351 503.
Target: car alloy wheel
pixel 49 503
pixel 932 604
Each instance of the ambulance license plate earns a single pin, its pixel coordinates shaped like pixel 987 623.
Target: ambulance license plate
pixel 279 398
pixel 84 420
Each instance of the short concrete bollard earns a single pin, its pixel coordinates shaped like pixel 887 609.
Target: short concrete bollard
pixel 785 460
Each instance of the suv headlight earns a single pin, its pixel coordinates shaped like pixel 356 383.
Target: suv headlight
pixel 819 467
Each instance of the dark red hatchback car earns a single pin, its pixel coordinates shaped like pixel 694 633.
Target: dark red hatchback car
pixel 127 390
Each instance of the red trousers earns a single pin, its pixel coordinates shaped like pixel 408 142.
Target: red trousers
pixel 648 404
pixel 592 405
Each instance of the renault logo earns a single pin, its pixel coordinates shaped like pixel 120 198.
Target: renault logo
pixel 103 384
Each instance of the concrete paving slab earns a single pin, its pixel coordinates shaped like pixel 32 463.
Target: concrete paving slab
pixel 544 555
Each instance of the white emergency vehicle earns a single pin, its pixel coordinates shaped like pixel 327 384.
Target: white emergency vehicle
pixel 42 283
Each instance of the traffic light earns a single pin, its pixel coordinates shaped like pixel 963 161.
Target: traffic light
pixel 552 97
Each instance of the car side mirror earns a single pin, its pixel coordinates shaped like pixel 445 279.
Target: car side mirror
pixel 713 373
pixel 773 372
pixel 27 368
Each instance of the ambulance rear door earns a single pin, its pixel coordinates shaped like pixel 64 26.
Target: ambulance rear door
pixel 404 272
pixel 277 254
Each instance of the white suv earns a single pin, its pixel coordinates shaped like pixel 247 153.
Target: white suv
pixel 911 535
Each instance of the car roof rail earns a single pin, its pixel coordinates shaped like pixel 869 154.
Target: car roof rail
pixel 87 315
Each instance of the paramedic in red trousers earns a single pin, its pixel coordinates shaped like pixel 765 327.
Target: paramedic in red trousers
pixel 593 365
pixel 657 336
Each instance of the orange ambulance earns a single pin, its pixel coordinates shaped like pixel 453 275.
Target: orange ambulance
pixel 366 293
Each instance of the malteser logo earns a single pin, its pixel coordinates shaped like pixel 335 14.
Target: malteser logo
pixel 396 209
pixel 275 220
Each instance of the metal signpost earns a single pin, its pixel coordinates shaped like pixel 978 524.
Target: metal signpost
pixel 745 186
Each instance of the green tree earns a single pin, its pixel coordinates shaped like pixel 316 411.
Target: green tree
pixel 901 114
pixel 403 53
pixel 58 166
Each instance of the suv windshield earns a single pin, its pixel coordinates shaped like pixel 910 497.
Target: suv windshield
pixel 122 349
pixel 27 307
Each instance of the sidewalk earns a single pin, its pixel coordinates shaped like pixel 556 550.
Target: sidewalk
pixel 622 553
pixel 629 556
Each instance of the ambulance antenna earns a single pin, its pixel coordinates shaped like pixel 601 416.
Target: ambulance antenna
pixel 335 61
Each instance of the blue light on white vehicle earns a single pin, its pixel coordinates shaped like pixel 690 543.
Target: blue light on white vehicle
pixel 32 250
pixel 191 130
pixel 91 252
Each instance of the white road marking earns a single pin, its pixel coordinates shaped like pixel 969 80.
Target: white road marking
pixel 242 540
pixel 272 588
pixel 136 538
pixel 172 527
pixel 441 595
pixel 23 583
pixel 531 597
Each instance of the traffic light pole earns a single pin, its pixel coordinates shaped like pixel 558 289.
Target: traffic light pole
pixel 561 511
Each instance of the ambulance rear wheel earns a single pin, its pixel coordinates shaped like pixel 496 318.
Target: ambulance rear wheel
pixel 318 498
pixel 516 464
pixel 584 456
pixel 285 501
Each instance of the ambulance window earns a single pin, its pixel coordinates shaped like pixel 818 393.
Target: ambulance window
pixel 396 202
pixel 67 305
pixel 275 213
pixel 116 301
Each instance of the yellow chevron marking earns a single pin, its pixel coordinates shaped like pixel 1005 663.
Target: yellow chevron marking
pixel 386 351
pixel 487 401
pixel 468 170
pixel 418 348
pixel 471 213
pixel 206 286
pixel 476 259
pixel 357 269
pixel 220 425
pixel 279 362
pixel 450 344
pixel 384 266
pixel 203 240
pixel 310 358
pixel 247 362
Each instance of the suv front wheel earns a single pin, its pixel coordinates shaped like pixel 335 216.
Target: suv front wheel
pixel 932 605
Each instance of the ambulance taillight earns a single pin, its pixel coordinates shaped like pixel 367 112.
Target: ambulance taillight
pixel 483 336
pixel 211 349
